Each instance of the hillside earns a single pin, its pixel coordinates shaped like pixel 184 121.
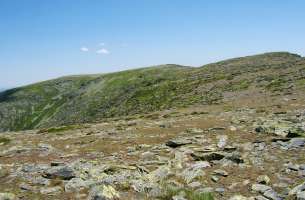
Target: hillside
pixel 89 98
pixel 231 130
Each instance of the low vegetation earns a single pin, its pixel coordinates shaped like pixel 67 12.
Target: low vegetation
pixel 91 98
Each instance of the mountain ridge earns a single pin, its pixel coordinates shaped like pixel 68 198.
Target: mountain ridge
pixel 88 98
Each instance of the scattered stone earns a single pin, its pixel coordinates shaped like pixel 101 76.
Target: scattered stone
pixel 220 172
pixel 61 172
pixel 215 179
pixel 263 179
pixel 297 189
pixel 296 142
pixel 177 143
pixel 208 156
pixel 271 194
pixel 260 188
pixel 200 165
pixel 51 190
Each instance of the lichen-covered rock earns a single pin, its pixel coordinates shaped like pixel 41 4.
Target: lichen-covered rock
pixel 103 192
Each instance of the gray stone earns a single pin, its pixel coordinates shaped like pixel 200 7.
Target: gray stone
pixel 297 189
pixel 220 172
pixel 297 142
pixel 61 172
pixel 51 190
pixel 301 195
pixel 177 143
pixel 260 188
pixel 76 184
pixel 271 194
pixel 200 165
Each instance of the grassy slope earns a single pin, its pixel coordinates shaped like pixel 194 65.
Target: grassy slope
pixel 87 98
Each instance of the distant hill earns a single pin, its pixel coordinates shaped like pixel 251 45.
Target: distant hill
pixel 89 98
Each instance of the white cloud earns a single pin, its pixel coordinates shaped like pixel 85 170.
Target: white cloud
pixel 102 51
pixel 84 49
pixel 102 44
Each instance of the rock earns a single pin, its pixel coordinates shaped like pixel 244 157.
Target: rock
pixel 195 184
pixel 232 128
pixel 178 197
pixel 220 172
pixel 260 198
pixel 56 163
pixel 148 155
pixel 271 194
pixel 292 166
pixel 200 165
pixel 103 192
pixel 177 143
pixel 281 128
pixel 7 196
pixel 160 173
pixel 220 190
pixel 215 179
pixel 61 172
pixel 222 141
pixel 208 156
pixel 260 188
pixel 263 179
pixel 297 189
pixel 236 158
pixel 191 174
pixel 238 197
pixel 27 187
pixel 77 184
pixel 51 190
pixel 301 195
pixel 296 142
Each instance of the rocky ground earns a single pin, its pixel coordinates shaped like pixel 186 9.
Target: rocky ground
pixel 250 149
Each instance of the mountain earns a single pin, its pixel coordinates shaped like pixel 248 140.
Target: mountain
pixel 228 130
pixel 91 98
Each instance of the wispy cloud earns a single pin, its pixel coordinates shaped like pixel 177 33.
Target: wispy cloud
pixel 102 44
pixel 84 49
pixel 102 51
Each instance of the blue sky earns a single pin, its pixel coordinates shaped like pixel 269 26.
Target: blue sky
pixel 43 39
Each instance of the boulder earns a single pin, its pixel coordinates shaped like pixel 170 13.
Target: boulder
pixel 60 172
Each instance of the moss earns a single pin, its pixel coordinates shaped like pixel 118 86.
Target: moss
pixel 4 140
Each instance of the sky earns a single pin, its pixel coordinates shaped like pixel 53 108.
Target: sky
pixel 45 39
